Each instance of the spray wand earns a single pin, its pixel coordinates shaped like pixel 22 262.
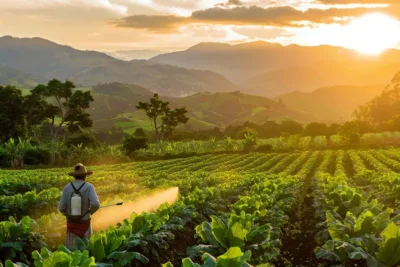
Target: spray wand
pixel 116 204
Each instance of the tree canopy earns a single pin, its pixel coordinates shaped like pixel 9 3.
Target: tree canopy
pixel 163 119
pixel 12 117
pixel 384 110
pixel 64 107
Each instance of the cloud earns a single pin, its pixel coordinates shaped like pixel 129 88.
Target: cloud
pixel 276 16
pixel 332 2
pixel 231 3
pixel 156 23
pixel 242 15
pixel 110 5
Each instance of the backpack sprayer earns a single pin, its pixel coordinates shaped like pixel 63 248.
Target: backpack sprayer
pixel 116 204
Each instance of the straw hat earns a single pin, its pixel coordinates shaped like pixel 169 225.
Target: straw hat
pixel 80 170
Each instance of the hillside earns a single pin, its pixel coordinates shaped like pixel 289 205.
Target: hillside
pixel 40 57
pixel 14 77
pixel 324 74
pixel 115 105
pixel 271 69
pixel 332 104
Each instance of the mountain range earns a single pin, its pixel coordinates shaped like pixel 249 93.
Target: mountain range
pixel 42 58
pixel 272 81
pixel 270 69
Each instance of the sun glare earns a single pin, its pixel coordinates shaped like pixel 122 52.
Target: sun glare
pixel 372 33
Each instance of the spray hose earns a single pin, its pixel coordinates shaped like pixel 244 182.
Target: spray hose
pixel 116 204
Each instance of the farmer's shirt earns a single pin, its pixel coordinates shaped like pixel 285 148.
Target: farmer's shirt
pixel 90 200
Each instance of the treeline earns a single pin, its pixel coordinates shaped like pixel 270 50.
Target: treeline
pixel 271 129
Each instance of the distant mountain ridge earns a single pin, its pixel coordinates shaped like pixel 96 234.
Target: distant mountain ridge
pixel 40 57
pixel 270 69
pixel 135 54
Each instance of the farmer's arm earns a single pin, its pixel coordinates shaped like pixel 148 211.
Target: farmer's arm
pixel 62 207
pixel 94 201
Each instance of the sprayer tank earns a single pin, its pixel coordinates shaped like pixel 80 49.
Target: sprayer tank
pixel 76 205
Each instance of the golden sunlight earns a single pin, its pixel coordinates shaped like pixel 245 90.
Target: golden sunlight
pixel 372 33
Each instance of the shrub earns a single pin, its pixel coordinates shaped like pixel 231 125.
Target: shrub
pixel 36 156
pixel 242 134
pixel 250 142
pixel 4 158
pixel 264 148
pixel 86 139
pixel 139 132
pixel 133 143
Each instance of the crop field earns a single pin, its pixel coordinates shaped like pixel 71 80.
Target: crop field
pixel 311 208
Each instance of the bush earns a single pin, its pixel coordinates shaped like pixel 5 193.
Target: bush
pixel 139 132
pixel 133 143
pixel 354 139
pixel 4 158
pixel 86 139
pixel 250 142
pixel 246 131
pixel 36 156
pixel 264 148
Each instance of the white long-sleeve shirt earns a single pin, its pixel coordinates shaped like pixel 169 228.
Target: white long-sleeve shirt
pixel 90 200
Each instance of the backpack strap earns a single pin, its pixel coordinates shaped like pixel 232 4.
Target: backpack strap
pixel 77 190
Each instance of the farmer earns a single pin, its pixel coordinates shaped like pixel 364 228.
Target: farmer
pixel 89 202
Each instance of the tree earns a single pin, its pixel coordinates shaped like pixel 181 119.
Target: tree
pixel 35 111
pixel 316 129
pixel 351 131
pixel 12 118
pixel 383 108
pixel 163 119
pixel 291 127
pixel 133 143
pixel 66 107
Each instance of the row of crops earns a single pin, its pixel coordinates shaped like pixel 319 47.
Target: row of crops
pixel 282 143
pixel 305 208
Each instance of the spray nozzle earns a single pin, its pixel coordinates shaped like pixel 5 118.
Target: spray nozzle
pixel 116 204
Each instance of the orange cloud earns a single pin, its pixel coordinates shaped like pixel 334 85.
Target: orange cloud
pixel 242 15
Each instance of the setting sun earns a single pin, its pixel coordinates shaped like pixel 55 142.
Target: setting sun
pixel 372 33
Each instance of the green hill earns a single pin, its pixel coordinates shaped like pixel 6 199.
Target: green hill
pixel 17 78
pixel 333 104
pixel 115 105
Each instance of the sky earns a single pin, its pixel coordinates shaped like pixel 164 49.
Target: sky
pixel 169 25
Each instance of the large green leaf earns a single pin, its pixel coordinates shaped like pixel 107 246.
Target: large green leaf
pixel 236 235
pixel 219 231
pixel 58 259
pixel 232 258
pixel 389 251
pixel 96 247
pixel 124 257
pixel 12 264
pixel 18 246
pixel 364 223
pixel 322 253
pixel 209 260
pixel 208 233
pixel 189 263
